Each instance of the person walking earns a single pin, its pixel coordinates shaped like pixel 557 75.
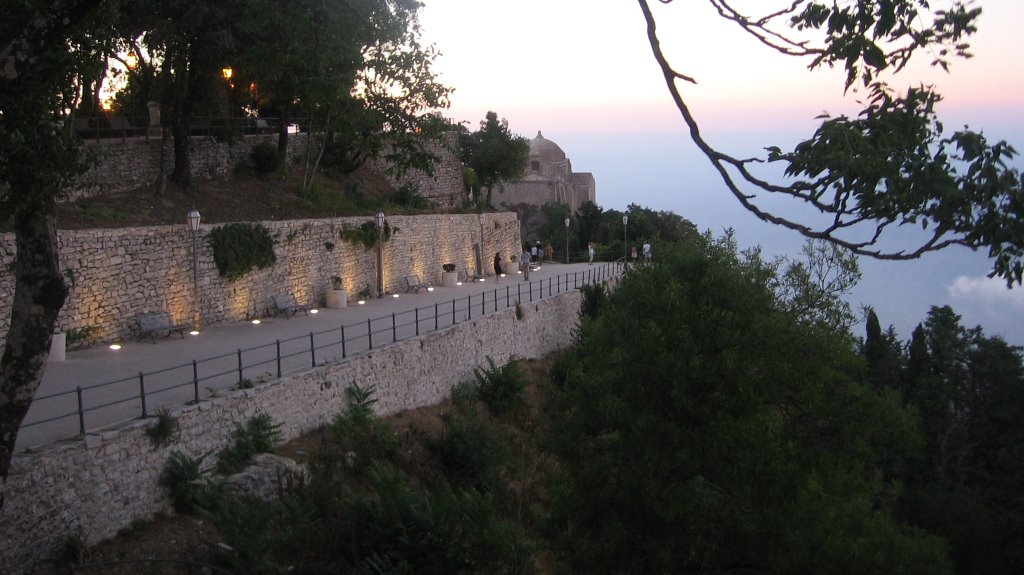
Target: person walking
pixel 497 267
pixel 525 264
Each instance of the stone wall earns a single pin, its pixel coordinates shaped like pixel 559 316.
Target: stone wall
pixel 132 163
pixel 94 486
pixel 445 187
pixel 117 274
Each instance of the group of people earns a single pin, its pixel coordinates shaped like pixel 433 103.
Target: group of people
pixel 528 256
pixel 533 254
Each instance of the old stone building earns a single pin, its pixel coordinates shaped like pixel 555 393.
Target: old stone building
pixel 549 178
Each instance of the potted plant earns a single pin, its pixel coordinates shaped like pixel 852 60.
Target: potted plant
pixel 449 277
pixel 337 296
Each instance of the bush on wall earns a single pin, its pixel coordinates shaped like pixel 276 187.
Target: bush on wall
pixel 238 248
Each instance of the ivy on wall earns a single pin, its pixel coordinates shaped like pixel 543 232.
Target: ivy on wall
pixel 368 234
pixel 239 248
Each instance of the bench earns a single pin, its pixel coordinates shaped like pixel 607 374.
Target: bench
pixel 158 322
pixel 413 283
pixel 287 305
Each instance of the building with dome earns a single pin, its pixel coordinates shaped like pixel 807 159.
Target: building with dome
pixel 549 178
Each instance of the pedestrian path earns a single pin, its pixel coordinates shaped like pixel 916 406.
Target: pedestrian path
pixel 97 387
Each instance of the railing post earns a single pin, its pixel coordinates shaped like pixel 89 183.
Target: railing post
pixel 278 347
pixel 81 411
pixel 394 330
pixel 469 307
pixel 343 350
pixel 369 332
pixel 453 311
pixel 312 349
pixel 195 381
pixel 416 315
pixel 435 317
pixel 142 394
pixel 240 378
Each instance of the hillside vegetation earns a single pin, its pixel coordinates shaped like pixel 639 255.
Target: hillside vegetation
pixel 713 415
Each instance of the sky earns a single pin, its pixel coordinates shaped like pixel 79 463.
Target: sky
pixel 582 72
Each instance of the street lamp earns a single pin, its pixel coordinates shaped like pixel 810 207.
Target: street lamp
pixel 380 254
pixel 566 240
pixel 193 226
pixel 625 220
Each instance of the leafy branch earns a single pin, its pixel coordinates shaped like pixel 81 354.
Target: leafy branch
pixel 892 164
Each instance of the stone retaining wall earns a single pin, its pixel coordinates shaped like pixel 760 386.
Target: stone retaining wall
pixel 119 273
pixel 94 486
pixel 133 163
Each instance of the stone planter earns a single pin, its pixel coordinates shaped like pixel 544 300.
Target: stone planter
pixel 449 279
pixel 58 346
pixel 337 298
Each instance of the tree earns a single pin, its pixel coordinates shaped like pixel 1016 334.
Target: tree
pixel 701 434
pixel 43 46
pixel 497 155
pixel 194 41
pixel 891 165
pixel 969 391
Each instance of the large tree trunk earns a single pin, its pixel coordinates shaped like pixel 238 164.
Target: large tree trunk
pixel 39 294
pixel 181 111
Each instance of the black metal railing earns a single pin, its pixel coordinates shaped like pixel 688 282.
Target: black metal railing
pixel 184 383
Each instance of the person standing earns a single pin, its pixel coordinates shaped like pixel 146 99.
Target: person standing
pixel 497 267
pixel 525 264
pixel 535 251
pixel 632 254
pixel 590 253
pixel 647 252
pixel 549 252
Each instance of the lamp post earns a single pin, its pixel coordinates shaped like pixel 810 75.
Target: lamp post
pixel 566 240
pixel 193 226
pixel 481 258
pixel 625 260
pixel 380 254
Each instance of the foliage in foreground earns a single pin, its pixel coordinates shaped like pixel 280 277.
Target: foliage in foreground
pixel 705 429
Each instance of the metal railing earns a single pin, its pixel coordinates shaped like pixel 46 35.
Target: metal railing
pixel 184 383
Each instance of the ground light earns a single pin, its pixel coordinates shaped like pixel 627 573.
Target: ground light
pixel 314 310
pixel 115 347
pixel 362 302
pixel 256 322
pixel 194 332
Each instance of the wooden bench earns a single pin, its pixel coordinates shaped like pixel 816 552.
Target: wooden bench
pixel 413 283
pixel 287 305
pixel 158 322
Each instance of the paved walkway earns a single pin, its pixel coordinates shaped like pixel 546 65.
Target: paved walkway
pixel 96 387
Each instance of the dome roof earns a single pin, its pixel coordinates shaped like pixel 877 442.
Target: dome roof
pixel 544 149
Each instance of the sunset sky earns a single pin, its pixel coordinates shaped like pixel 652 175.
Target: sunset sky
pixel 582 72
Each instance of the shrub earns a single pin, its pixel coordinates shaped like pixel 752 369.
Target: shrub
pixel 473 451
pixel 500 388
pixel 238 248
pixel 189 488
pixel 264 158
pixel 362 435
pixel 260 435
pixel 163 430
pixel 595 297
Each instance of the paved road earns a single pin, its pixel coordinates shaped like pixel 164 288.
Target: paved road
pixel 108 387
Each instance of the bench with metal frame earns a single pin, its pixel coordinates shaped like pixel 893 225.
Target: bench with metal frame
pixel 413 284
pixel 158 322
pixel 286 304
